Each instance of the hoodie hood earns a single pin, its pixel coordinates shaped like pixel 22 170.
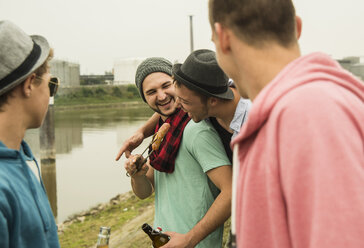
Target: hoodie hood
pixel 6 152
pixel 304 70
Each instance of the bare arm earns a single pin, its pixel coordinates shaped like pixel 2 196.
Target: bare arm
pixel 137 138
pixel 142 182
pixel 218 213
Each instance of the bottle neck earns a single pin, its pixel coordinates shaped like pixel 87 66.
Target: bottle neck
pixel 103 237
pixel 147 229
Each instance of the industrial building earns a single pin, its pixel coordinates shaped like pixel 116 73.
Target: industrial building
pixel 68 73
pixel 125 69
pixel 96 79
pixel 353 65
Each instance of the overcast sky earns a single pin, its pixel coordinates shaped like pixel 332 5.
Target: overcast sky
pixel 95 33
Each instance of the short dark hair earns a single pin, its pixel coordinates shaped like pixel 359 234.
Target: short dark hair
pixel 257 21
pixel 203 97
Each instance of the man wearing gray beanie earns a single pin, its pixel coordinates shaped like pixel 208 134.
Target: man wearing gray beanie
pixel 148 66
pixel 190 172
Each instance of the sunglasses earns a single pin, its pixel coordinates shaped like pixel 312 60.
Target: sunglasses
pixel 53 85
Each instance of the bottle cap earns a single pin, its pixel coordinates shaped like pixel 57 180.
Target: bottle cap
pixel 105 230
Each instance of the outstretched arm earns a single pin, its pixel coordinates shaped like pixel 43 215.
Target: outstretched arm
pixel 137 138
pixel 142 181
pixel 218 213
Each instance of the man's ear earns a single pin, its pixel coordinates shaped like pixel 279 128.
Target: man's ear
pixel 298 27
pixel 223 37
pixel 28 85
pixel 212 101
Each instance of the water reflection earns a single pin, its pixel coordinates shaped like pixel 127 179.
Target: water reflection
pixel 86 143
pixel 48 158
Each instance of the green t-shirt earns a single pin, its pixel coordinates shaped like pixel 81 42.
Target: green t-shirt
pixel 183 197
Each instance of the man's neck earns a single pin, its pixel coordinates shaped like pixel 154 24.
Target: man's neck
pixel 225 111
pixel 11 130
pixel 258 67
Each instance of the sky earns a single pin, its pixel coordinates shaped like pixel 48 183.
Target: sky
pixel 96 33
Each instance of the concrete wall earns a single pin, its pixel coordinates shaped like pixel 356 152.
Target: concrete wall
pixel 69 73
pixel 353 65
pixel 358 70
pixel 124 70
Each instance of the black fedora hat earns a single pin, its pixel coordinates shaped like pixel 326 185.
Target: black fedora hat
pixel 200 72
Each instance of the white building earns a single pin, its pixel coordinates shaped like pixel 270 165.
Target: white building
pixel 124 70
pixel 68 72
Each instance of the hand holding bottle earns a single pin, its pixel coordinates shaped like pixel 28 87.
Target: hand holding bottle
pixel 158 238
pixel 178 240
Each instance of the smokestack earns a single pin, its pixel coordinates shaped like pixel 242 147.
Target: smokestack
pixel 191 33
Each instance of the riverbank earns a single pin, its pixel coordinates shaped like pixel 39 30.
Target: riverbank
pixel 98 105
pixel 124 213
pixel 97 96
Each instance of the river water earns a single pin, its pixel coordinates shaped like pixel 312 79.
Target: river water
pixel 86 142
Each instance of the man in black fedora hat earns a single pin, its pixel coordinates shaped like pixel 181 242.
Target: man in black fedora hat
pixel 26 218
pixel 205 92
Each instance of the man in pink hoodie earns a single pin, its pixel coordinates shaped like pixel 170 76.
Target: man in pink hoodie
pixel 301 153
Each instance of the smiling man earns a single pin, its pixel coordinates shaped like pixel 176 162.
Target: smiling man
pixel 203 90
pixel 190 173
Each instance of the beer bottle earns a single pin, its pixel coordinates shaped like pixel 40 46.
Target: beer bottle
pixel 158 238
pixel 103 238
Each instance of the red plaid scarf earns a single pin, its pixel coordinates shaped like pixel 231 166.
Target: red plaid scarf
pixel 163 159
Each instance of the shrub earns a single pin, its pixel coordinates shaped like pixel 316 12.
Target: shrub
pixel 86 92
pixel 115 91
pixel 100 91
pixel 131 88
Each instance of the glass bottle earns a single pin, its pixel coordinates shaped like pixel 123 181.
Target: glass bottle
pixel 103 238
pixel 158 238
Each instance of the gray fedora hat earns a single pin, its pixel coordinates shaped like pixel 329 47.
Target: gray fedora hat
pixel 200 72
pixel 20 55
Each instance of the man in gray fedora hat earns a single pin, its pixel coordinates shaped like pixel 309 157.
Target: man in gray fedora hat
pixel 26 218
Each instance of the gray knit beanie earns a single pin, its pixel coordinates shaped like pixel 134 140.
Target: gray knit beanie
pixel 148 66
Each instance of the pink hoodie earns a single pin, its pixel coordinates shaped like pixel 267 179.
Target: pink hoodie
pixel 301 160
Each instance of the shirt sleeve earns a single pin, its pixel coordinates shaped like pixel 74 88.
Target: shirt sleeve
pixel 4 232
pixel 207 148
pixel 322 175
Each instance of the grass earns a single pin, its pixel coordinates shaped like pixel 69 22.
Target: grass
pixel 84 234
pixel 117 215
